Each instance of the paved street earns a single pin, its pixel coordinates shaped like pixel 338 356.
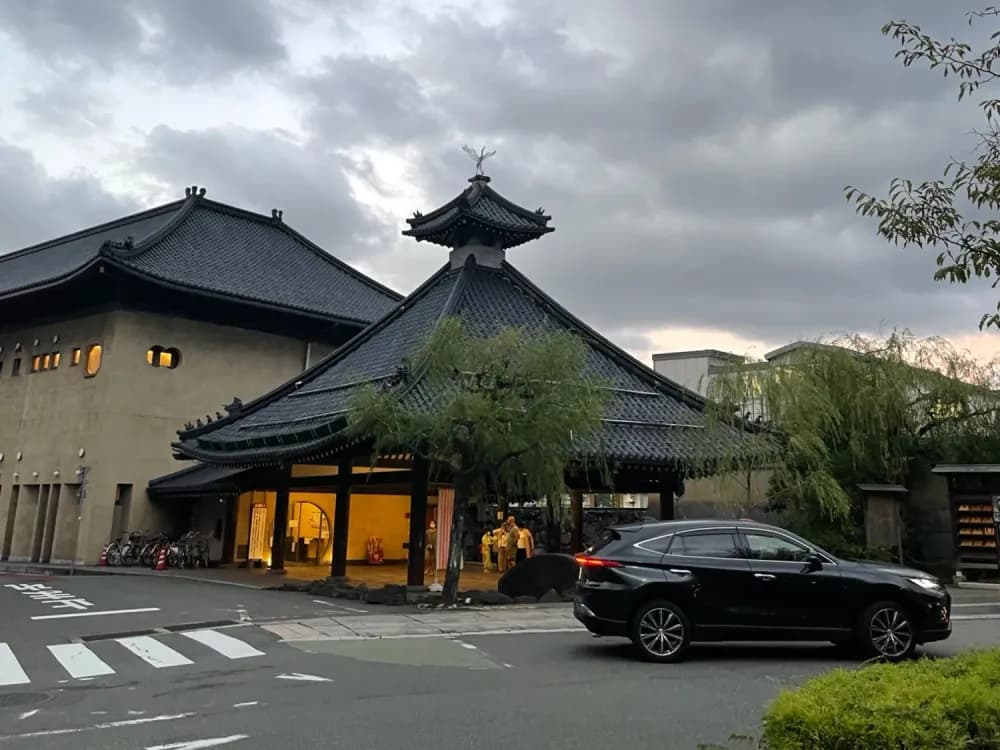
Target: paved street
pixel 322 678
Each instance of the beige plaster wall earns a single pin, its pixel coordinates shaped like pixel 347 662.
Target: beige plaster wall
pixel 124 418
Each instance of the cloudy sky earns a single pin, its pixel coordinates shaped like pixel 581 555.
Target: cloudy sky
pixel 692 154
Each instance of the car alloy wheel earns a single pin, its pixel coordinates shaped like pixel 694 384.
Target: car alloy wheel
pixel 890 632
pixel 660 632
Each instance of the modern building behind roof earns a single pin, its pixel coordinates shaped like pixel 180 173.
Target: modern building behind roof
pixel 110 334
pixel 288 449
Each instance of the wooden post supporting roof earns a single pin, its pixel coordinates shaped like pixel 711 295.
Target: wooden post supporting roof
pixel 341 519
pixel 667 486
pixel 280 525
pixel 418 524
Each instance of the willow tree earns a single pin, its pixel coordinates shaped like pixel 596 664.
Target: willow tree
pixel 956 215
pixel 862 410
pixel 497 415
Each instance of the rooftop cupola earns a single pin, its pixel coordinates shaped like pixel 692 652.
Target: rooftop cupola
pixel 479 222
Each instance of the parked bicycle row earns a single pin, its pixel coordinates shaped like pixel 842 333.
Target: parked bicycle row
pixel 156 549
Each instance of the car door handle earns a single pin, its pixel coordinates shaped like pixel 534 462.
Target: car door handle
pixel 680 571
pixel 763 576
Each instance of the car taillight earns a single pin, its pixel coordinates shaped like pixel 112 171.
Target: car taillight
pixel 587 561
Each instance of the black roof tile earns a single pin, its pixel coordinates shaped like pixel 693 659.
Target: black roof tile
pixel 205 246
pixel 649 419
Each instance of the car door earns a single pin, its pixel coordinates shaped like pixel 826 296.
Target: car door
pixel 790 593
pixel 719 577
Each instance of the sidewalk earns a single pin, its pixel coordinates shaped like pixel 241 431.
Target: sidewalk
pixel 545 618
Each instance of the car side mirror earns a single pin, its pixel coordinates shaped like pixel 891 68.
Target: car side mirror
pixel 814 562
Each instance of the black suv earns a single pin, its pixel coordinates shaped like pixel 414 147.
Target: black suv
pixel 666 584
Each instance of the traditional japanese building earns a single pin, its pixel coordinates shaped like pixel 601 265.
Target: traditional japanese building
pixel 109 333
pixel 288 456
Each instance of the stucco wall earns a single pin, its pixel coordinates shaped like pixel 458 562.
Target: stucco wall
pixel 124 418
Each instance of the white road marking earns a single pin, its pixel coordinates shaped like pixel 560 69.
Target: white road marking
pixel 303 677
pixel 29 714
pixel 153 652
pixel 92 727
pixel 200 744
pixel 79 660
pixel 245 704
pixel 977 604
pixel 96 614
pixel 10 668
pixel 231 648
pixel 341 606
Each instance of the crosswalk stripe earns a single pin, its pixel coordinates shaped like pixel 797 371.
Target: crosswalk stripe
pixel 231 648
pixel 79 660
pixel 153 652
pixel 10 668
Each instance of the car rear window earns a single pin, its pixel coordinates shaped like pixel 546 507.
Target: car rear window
pixel 607 537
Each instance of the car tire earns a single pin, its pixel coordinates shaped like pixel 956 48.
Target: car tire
pixel 661 632
pixel 886 632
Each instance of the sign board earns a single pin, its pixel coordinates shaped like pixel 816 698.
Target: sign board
pixel 258 533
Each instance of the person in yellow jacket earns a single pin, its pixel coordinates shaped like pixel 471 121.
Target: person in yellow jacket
pixel 485 544
pixel 499 540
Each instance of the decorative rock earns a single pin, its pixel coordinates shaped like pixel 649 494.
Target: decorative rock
pixel 492 598
pixel 539 574
pixel 388 594
pixel 525 600
pixel 550 596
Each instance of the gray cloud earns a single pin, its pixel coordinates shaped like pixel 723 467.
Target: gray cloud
pixel 693 155
pixel 264 170
pixel 182 41
pixel 35 207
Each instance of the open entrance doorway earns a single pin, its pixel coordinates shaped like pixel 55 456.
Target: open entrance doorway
pixel 308 540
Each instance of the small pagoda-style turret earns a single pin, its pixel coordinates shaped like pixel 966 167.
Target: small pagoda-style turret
pixel 479 222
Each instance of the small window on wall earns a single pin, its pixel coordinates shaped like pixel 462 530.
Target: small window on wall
pixel 157 356
pixel 15 366
pixel 46 361
pixel 36 363
pixel 56 359
pixel 74 358
pixel 92 362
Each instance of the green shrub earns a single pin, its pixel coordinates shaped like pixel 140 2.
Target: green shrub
pixel 946 704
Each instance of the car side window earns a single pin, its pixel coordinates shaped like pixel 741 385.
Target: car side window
pixel 775 548
pixel 657 544
pixel 712 544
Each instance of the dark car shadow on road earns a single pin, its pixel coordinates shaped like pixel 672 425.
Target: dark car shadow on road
pixel 717 652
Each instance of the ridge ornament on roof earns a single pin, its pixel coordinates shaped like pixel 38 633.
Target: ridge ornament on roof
pixel 479 222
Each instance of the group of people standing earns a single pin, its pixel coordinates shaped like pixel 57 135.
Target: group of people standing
pixel 506 546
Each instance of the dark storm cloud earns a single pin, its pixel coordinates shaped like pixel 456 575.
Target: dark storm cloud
pixel 35 207
pixel 181 41
pixel 693 155
pixel 264 170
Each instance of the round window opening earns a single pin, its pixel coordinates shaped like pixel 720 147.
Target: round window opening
pixel 308 538
pixel 158 356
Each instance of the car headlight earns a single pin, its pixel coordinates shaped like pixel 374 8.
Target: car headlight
pixel 926 583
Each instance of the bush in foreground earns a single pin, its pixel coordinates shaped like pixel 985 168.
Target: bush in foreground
pixel 944 704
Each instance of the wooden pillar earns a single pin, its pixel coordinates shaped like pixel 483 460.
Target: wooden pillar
pixel 280 527
pixel 418 524
pixel 229 529
pixel 667 485
pixel 576 522
pixel 341 518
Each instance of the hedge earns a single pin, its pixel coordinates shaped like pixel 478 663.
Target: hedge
pixel 945 704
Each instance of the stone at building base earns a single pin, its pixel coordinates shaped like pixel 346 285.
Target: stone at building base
pixel 388 594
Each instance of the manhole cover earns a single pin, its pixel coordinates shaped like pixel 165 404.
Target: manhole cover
pixel 11 700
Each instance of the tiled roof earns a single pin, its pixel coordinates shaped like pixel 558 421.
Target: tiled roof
pixel 649 419
pixel 205 246
pixel 482 211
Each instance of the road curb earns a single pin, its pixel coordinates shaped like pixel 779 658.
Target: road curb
pixel 978 585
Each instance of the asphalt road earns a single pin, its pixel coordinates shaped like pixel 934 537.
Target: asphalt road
pixel 249 691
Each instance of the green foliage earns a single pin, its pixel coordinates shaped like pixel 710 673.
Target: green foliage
pixel 954 215
pixel 504 412
pixel 948 704
pixel 861 411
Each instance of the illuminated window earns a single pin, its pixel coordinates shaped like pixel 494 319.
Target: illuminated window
pixel 46 361
pixel 74 358
pixel 92 363
pixel 56 359
pixel 157 356
pixel 36 363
